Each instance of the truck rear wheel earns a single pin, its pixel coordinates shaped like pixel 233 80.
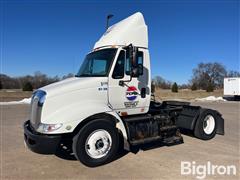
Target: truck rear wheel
pixel 96 143
pixel 206 124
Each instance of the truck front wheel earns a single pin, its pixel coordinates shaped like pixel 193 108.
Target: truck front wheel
pixel 96 143
pixel 206 124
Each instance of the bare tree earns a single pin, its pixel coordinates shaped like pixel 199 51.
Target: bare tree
pixel 40 79
pixel 161 82
pixel 8 82
pixel 1 84
pixel 68 76
pixel 37 80
pixel 233 74
pixel 184 86
pixel 207 74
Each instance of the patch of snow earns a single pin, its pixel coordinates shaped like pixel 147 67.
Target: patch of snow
pixel 10 91
pixel 23 101
pixel 210 98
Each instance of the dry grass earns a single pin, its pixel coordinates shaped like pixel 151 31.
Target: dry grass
pixel 185 94
pixel 13 95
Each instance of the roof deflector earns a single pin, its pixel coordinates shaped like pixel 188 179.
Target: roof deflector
pixel 131 30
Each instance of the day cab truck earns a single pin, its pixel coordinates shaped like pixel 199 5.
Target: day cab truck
pixel 108 105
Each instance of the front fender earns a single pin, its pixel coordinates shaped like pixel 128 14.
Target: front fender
pixel 72 115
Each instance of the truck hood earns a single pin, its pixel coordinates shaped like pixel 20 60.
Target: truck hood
pixel 73 84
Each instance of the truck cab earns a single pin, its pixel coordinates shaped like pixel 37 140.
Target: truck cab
pixel 109 102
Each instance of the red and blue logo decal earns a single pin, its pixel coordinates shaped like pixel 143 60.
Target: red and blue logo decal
pixel 131 93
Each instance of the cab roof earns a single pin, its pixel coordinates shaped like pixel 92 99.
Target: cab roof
pixel 131 30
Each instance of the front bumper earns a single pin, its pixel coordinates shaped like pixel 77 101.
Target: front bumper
pixel 40 143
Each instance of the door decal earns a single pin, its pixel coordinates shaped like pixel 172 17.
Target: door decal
pixel 131 93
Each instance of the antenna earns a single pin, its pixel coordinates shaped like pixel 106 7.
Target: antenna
pixel 108 17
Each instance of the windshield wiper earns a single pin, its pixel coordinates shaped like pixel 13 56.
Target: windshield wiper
pixel 83 75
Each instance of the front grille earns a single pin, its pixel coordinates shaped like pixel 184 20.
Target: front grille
pixel 36 109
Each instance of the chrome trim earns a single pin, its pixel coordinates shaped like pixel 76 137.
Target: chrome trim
pixel 36 108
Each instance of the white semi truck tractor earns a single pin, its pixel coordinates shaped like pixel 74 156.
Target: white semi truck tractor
pixel 108 106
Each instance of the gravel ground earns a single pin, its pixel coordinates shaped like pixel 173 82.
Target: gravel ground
pixel 17 162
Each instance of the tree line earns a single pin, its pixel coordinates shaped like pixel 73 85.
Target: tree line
pixel 206 76
pixel 29 82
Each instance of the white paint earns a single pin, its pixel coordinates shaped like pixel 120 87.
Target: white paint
pixel 201 171
pixel 232 86
pixel 131 30
pixel 92 147
pixel 72 100
pixel 208 124
pixel 117 94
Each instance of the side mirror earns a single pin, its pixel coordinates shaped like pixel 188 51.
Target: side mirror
pixel 137 70
pixel 140 69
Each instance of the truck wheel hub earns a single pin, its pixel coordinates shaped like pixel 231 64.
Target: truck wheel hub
pixel 208 124
pixel 98 144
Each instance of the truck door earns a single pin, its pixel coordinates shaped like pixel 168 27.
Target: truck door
pixel 127 99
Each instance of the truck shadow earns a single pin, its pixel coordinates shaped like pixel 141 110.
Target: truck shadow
pixel 152 145
pixel 187 132
pixel 65 150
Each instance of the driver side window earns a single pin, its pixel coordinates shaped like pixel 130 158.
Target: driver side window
pixel 139 61
pixel 118 72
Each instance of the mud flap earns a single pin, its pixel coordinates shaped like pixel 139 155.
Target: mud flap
pixel 220 124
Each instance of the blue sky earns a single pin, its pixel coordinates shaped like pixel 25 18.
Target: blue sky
pixel 54 36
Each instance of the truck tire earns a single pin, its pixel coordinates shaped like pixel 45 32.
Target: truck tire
pixel 206 125
pixel 96 143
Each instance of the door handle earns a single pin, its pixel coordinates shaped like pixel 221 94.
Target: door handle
pixel 121 83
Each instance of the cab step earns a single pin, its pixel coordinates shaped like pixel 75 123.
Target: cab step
pixel 145 140
pixel 166 141
pixel 173 140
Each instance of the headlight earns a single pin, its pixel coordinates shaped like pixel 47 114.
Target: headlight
pixel 48 127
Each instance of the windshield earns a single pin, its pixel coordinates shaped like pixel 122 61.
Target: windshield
pixel 97 64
